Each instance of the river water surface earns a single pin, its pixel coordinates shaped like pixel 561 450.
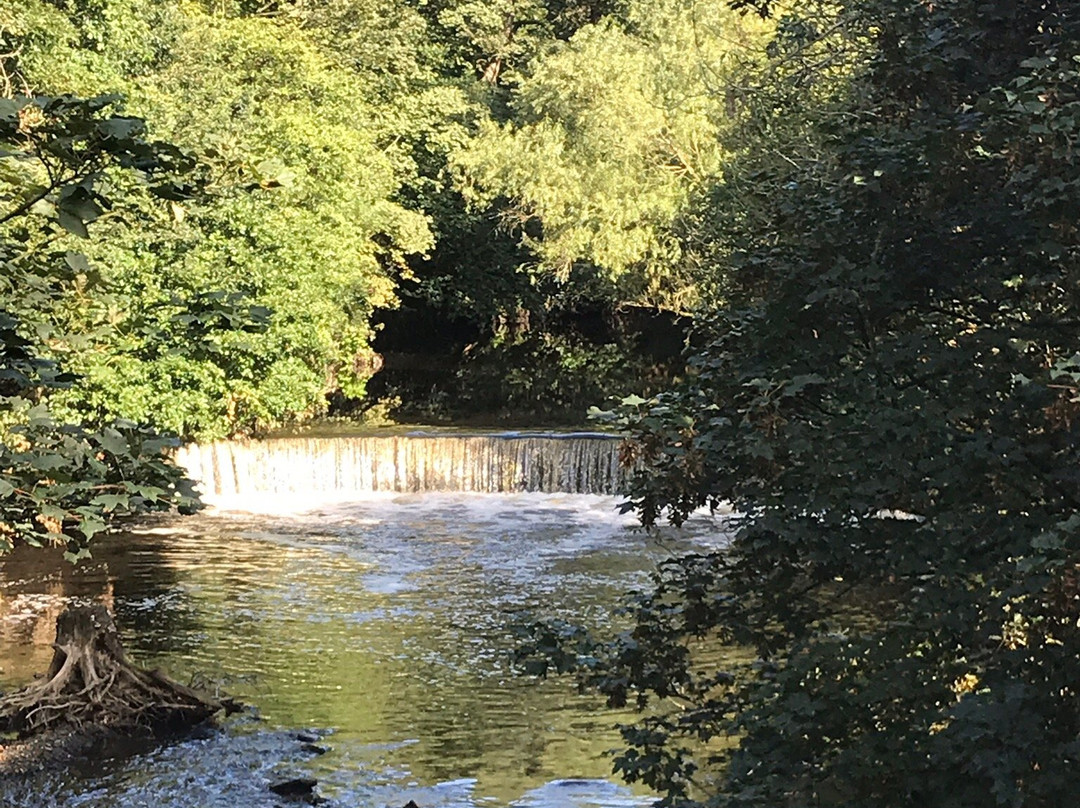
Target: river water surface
pixel 378 622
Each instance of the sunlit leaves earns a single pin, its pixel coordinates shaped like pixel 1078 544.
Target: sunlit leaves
pixel 610 134
pixel 299 222
pixel 63 483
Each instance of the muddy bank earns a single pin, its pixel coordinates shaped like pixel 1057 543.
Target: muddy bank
pixel 47 750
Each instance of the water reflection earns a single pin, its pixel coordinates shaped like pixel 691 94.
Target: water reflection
pixel 381 621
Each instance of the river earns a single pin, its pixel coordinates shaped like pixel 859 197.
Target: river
pixel 378 621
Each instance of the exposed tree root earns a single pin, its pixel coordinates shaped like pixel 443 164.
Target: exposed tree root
pixel 90 683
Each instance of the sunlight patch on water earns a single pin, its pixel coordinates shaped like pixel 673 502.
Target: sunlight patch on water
pixel 383 620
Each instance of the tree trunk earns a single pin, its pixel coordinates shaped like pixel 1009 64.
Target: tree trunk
pixel 90 683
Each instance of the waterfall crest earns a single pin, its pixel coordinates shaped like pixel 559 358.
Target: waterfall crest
pixel 577 463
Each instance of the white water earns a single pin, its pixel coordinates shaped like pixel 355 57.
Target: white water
pixel 364 588
pixel 577 463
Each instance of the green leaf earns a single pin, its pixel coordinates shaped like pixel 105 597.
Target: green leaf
pixel 113 442
pixel 72 224
pixel 82 553
pixel 111 502
pixel 123 128
pixel 77 261
pixel 90 526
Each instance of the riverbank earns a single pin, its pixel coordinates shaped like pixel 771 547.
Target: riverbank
pixel 51 750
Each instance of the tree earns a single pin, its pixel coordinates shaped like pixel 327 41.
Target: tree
pixel 888 397
pixel 610 134
pixel 64 482
pixel 302 230
pixel 592 127
pixel 495 41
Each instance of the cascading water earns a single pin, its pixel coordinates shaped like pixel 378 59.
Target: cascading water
pixel 575 463
pixel 362 589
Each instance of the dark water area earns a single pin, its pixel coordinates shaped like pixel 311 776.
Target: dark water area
pixel 379 623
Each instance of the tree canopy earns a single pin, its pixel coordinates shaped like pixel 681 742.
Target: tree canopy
pixel 302 222
pixel 867 207
pixel 610 134
pixel 63 482
pixel 328 163
pixel 885 391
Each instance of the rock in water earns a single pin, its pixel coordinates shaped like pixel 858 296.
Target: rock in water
pixel 297 787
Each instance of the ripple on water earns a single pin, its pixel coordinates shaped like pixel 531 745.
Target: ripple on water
pixel 383 620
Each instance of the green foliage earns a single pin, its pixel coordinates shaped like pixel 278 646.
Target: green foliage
pixel 888 397
pixel 594 127
pixel 611 133
pixel 64 482
pixel 495 41
pixel 545 376
pixel 299 223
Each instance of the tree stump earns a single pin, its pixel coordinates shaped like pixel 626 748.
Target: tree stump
pixel 91 683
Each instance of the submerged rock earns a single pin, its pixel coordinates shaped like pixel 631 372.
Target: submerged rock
pixel 46 750
pixel 298 788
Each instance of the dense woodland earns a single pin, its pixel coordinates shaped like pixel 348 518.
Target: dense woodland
pixel 498 185
pixel 220 219
pixel 860 214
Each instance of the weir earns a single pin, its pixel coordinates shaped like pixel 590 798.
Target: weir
pixel 577 463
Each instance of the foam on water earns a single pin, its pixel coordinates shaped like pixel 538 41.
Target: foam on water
pixel 380 619
pixel 583 463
